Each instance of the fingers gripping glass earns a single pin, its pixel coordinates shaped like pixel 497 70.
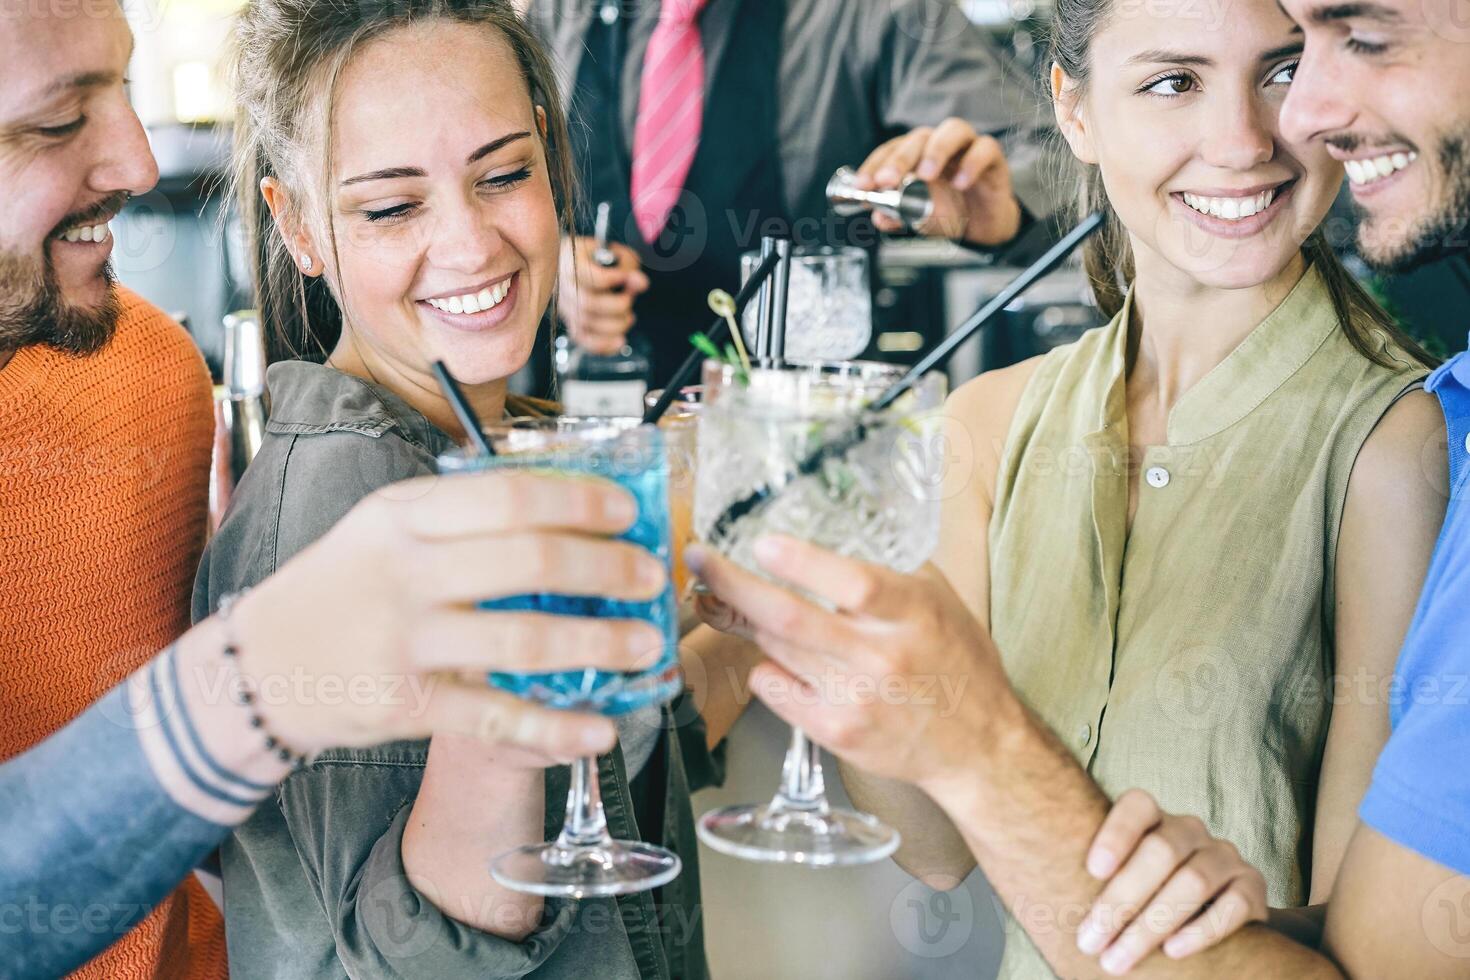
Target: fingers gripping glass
pixel 879 502
pixel 585 860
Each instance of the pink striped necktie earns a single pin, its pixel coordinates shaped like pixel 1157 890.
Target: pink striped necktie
pixel 670 110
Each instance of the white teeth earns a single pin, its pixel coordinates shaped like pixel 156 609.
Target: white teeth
pixel 471 303
pixel 1231 208
pixel 1376 168
pixel 85 233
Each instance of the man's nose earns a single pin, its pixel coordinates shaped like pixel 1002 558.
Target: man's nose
pixel 125 160
pixel 1317 104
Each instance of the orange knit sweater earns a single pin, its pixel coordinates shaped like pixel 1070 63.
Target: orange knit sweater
pixel 104 467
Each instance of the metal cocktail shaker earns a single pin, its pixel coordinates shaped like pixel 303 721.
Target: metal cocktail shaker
pixel 909 202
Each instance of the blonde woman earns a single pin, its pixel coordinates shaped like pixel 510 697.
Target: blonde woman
pixel 410 157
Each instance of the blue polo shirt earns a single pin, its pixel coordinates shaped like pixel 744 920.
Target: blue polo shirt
pixel 1420 795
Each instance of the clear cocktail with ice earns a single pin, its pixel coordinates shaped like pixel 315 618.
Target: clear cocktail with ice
pixel 878 502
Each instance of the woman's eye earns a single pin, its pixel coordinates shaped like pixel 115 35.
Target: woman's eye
pixel 1171 85
pixel 1285 75
pixel 502 181
pixel 387 214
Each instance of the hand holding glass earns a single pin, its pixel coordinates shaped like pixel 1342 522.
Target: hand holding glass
pixel 585 860
pixel 878 502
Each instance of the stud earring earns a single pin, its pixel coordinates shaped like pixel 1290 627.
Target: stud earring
pixel 306 263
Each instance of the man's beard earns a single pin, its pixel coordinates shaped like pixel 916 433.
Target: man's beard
pixel 1436 235
pixel 33 311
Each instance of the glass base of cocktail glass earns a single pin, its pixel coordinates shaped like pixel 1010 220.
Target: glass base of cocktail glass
pixel 585 860
pixel 799 826
pixel 878 502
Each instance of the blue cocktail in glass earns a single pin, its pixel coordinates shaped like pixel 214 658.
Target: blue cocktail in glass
pixel 585 860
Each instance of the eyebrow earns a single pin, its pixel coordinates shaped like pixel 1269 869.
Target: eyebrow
pixel 86 79
pixel 1355 11
pixel 1157 55
pixel 394 173
pixel 1284 51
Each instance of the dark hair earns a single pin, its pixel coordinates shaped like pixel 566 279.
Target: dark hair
pixel 1108 256
pixel 287 56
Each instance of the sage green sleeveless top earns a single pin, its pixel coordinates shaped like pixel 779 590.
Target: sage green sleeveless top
pixel 1192 657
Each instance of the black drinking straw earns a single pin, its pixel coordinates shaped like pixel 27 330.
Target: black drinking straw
pixel 462 410
pixel 858 431
pixel 687 370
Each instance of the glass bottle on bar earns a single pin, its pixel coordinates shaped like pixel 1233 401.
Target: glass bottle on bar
pixel 602 384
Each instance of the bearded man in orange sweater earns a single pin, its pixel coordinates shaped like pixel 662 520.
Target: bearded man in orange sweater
pixel 105 429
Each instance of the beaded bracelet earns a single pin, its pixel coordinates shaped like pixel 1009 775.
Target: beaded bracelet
pixel 247 697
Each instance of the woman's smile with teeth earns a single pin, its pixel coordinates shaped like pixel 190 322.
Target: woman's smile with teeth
pixel 1230 208
pixel 473 302
pixel 1373 169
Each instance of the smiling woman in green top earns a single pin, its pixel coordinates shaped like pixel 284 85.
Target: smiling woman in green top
pixel 410 157
pixel 1185 528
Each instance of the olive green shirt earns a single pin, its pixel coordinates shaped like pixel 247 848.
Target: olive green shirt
pixel 1192 656
pixel 314 883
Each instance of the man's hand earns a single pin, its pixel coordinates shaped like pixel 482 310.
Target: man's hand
pixel 596 302
pixel 1169 883
pixel 905 681
pixel 967 175
pixel 384 606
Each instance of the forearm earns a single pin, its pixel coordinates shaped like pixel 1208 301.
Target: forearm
pixel 716 674
pixel 933 849
pixel 472 807
pixel 107 816
pixel 1029 813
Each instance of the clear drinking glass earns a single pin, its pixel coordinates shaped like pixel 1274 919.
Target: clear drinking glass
pixel 829 308
pixel 879 502
pixel 585 860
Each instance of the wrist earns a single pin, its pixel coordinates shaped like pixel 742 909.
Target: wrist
pixel 195 734
pixel 996 227
pixel 271 679
pixel 988 729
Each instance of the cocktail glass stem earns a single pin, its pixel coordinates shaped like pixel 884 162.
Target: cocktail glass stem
pixel 802 786
pixel 586 824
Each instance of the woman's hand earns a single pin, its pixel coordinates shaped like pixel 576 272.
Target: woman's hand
pixel 371 634
pixel 1168 882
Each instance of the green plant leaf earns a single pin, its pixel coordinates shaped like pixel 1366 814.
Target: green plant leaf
pixel 705 346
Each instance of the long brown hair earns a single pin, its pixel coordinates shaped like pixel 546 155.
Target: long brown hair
pixel 1108 256
pixel 286 58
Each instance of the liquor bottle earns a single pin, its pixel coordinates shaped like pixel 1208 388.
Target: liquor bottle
pixel 602 384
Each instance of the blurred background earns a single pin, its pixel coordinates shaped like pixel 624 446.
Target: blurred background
pixel 180 247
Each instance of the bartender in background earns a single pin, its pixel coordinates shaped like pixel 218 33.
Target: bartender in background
pixel 706 124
